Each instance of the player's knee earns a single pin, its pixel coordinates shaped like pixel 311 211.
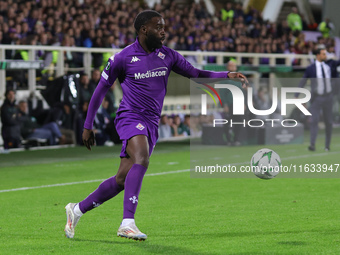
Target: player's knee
pixel 120 179
pixel 142 160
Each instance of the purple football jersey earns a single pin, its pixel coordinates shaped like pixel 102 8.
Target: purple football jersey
pixel 143 77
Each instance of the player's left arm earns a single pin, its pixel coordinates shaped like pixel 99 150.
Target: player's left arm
pixel 240 76
pixel 183 67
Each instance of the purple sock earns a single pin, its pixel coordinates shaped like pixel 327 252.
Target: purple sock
pixel 106 190
pixel 133 184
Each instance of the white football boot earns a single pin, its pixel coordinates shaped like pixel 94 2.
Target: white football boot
pixel 132 232
pixel 72 220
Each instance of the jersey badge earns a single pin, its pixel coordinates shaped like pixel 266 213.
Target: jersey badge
pixel 161 55
pixel 140 126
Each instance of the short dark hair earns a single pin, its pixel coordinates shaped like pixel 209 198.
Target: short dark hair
pixel 318 51
pixel 143 17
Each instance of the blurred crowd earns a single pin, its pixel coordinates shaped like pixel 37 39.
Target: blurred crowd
pixel 19 126
pixel 109 24
pixel 26 122
pixel 174 126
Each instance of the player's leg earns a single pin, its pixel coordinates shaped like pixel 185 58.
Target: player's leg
pixel 315 111
pixel 125 166
pixel 327 110
pixel 138 150
pixel 106 190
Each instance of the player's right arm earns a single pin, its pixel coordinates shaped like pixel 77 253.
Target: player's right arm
pixel 110 73
pixel 184 68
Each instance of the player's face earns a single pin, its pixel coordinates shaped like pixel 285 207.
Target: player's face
pixel 155 35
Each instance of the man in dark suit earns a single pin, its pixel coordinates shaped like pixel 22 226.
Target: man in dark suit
pixel 322 90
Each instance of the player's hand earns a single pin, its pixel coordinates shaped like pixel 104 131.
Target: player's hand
pixel 88 138
pixel 236 75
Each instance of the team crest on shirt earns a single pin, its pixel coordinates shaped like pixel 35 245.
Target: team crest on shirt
pixel 140 126
pixel 161 55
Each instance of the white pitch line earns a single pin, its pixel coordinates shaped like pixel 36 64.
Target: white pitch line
pixel 156 174
pixel 82 182
pixel 169 172
pixel 172 163
pixel 49 186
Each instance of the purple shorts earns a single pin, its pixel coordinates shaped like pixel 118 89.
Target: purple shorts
pixel 129 124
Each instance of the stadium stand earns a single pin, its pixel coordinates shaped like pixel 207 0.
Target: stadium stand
pixel 95 24
pixel 232 33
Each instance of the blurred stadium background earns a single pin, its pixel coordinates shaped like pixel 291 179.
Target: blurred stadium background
pixel 52 53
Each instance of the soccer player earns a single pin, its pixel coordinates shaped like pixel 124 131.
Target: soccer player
pixel 143 69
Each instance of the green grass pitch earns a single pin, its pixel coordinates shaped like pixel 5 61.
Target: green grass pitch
pixel 180 215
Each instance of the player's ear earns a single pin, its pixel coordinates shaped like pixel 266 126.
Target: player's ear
pixel 143 30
